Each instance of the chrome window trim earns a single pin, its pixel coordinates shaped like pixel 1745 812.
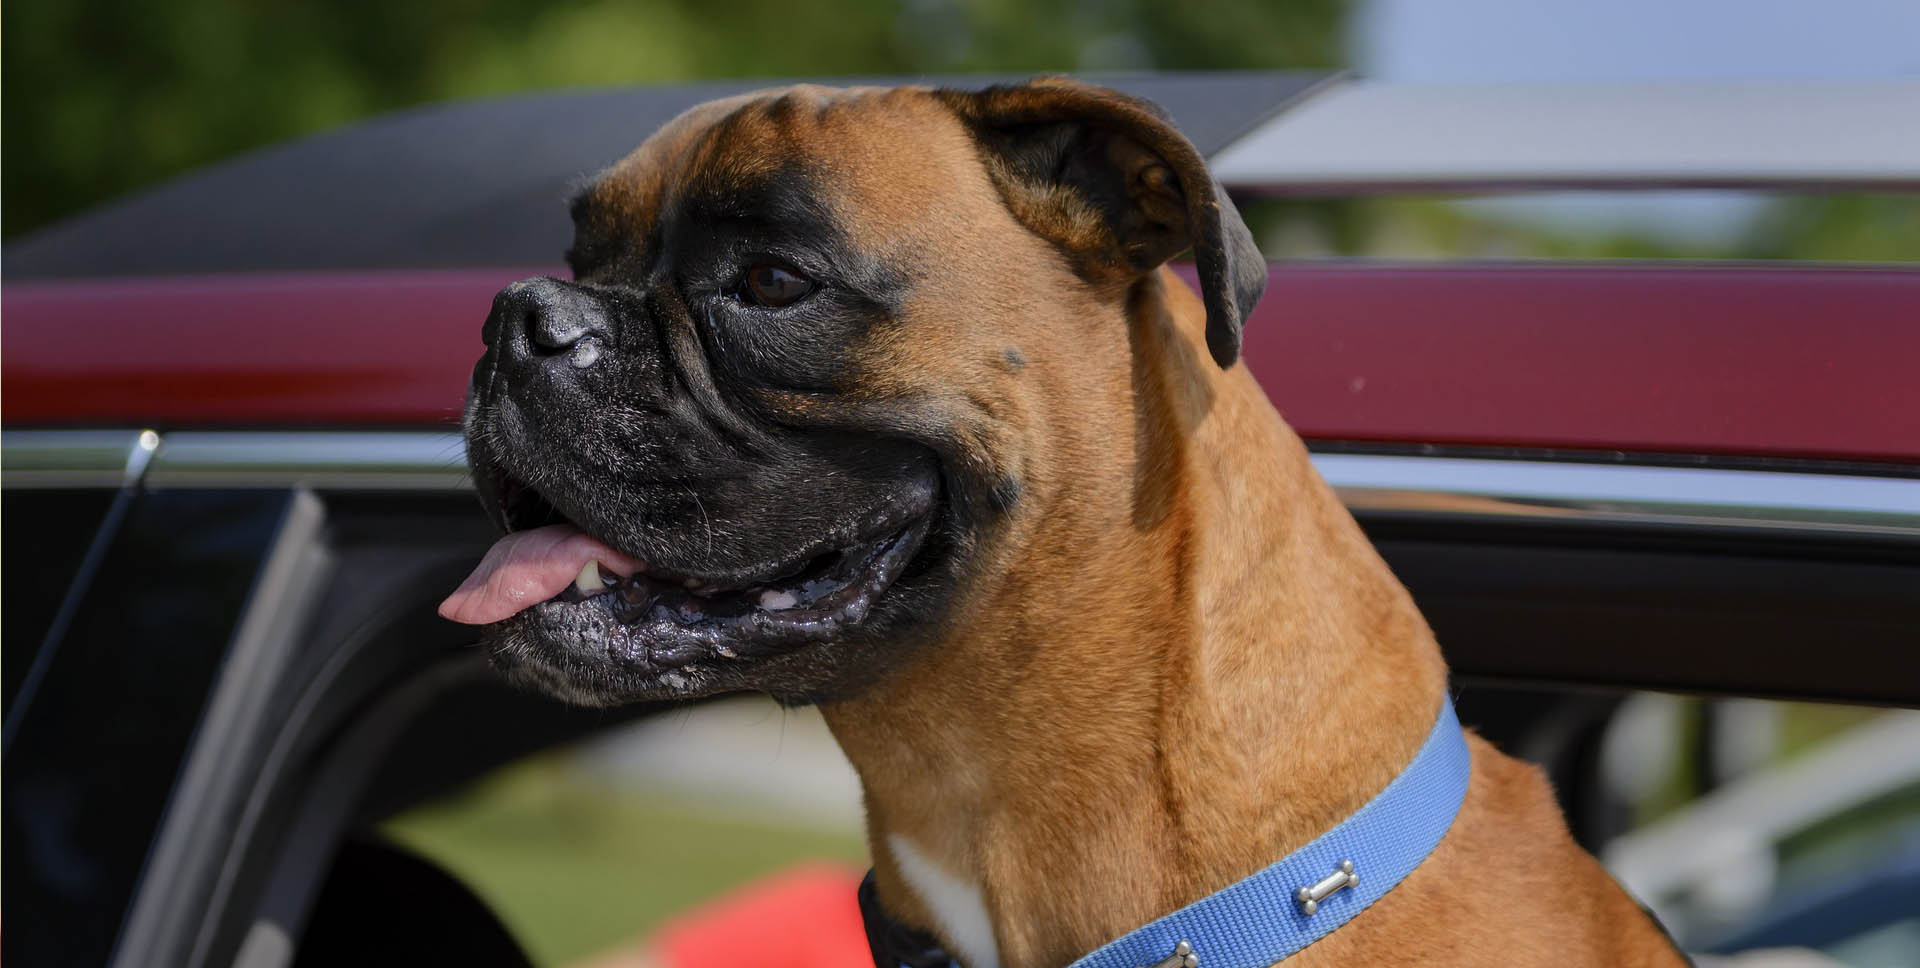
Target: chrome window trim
pixel 1530 490
pixel 1572 491
pixel 335 460
pixel 75 458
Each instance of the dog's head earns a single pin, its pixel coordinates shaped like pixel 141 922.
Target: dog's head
pixel 820 347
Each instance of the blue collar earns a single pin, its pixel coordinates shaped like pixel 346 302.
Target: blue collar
pixel 1296 901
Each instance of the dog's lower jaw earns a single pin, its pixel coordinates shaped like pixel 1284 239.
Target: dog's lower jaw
pixel 1093 748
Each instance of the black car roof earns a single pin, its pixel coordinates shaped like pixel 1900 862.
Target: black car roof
pixel 478 183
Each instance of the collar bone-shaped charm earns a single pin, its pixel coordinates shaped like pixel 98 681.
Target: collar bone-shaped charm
pixel 1310 897
pixel 1183 957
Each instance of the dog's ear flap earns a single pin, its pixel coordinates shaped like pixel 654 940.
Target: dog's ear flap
pixel 1109 179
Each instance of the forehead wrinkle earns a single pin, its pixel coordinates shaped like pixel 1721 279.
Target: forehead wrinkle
pixel 773 130
pixel 892 166
pixel 734 154
pixel 778 158
pixel 630 191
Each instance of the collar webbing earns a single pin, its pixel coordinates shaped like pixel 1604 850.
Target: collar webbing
pixel 1264 918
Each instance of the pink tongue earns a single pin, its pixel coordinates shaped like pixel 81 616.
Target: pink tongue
pixel 526 568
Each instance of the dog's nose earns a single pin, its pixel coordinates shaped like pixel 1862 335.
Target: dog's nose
pixel 547 321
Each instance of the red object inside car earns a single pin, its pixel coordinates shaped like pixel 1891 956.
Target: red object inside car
pixel 808 917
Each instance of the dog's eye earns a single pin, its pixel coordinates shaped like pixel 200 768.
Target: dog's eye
pixel 774 286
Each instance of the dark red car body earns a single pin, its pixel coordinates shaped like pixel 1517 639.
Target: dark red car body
pixel 1799 362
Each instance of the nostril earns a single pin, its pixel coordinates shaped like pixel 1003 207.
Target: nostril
pixel 552 332
pixel 544 320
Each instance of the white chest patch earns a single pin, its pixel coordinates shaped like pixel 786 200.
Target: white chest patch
pixel 956 904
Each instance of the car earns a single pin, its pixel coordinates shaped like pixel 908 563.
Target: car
pixel 234 486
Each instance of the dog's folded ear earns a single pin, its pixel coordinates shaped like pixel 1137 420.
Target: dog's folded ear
pixel 1109 179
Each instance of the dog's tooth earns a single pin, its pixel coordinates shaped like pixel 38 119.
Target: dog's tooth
pixel 589 582
pixel 774 600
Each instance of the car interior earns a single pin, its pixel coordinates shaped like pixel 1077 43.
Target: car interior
pixel 340 700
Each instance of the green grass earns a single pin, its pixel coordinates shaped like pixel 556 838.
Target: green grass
pixel 1803 726
pixel 573 866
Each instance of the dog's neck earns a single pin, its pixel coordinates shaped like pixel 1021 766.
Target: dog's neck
pixel 1159 699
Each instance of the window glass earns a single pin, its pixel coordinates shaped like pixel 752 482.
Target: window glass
pixel 94 759
pixel 46 535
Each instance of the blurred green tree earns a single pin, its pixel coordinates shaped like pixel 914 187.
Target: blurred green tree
pixel 101 97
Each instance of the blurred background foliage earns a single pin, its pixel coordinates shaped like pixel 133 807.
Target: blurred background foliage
pixel 103 97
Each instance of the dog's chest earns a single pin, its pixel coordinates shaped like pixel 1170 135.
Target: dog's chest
pixel 957 904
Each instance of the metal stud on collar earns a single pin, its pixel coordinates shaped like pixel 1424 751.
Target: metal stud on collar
pixel 1310 897
pixel 1183 957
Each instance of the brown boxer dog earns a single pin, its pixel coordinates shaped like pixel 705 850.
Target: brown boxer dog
pixel 884 400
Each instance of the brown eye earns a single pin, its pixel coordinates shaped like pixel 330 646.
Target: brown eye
pixel 774 286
